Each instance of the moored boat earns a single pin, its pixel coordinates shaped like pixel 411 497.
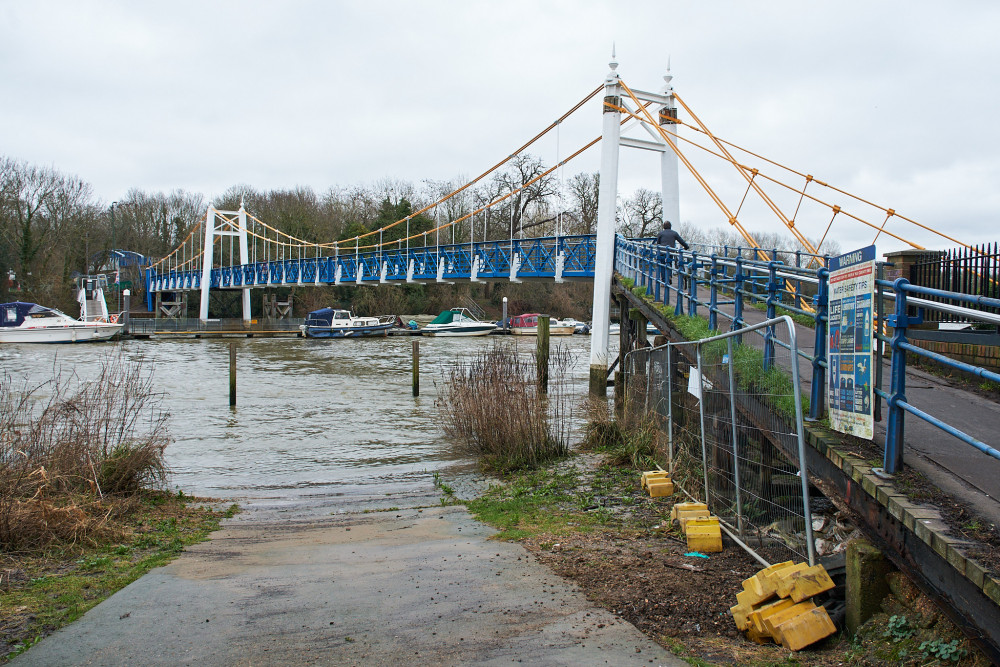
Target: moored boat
pixel 458 322
pixel 527 325
pixel 338 323
pixel 578 326
pixel 23 322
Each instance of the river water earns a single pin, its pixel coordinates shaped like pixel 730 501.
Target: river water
pixel 313 419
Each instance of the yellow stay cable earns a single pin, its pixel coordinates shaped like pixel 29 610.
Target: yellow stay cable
pixel 770 203
pixel 687 163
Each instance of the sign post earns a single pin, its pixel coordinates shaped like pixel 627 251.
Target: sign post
pixel 849 367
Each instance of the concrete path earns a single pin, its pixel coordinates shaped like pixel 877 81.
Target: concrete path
pixel 410 586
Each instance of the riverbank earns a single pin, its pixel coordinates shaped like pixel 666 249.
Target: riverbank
pixel 592 524
pixel 44 591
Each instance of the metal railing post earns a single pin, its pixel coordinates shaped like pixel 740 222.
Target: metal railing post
pixel 679 306
pixel 693 286
pixel 668 277
pixel 879 351
pixel 733 425
pixel 738 279
pixel 800 436
pixel 817 397
pixel 701 421
pixel 713 298
pixel 772 290
pixel 798 283
pixel 670 409
pixel 897 389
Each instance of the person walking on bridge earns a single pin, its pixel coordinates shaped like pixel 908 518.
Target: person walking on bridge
pixel 667 238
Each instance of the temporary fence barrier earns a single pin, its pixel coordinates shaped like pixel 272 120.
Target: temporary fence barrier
pixel 729 430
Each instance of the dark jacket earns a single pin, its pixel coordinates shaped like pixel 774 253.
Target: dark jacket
pixel 670 238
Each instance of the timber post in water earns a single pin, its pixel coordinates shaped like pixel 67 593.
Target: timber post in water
pixel 542 354
pixel 416 368
pixel 232 374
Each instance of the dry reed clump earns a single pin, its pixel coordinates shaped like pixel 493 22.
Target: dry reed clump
pixel 493 409
pixel 631 439
pixel 69 448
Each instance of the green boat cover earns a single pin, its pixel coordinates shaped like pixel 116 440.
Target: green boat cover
pixel 449 316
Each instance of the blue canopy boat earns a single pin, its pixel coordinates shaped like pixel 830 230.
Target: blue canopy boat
pixel 337 323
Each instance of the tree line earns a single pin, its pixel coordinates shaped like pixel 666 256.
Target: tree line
pixel 54 227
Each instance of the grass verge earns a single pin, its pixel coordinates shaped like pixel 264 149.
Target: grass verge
pixel 45 590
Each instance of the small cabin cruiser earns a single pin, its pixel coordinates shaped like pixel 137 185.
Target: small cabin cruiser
pixel 458 322
pixel 23 322
pixel 337 323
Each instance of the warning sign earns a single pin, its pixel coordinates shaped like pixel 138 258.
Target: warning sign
pixel 849 344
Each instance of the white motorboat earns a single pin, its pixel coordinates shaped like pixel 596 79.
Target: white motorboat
pixel 458 322
pixel 23 322
pixel 578 326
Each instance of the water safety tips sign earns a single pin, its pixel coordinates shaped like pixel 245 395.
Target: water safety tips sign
pixel 849 373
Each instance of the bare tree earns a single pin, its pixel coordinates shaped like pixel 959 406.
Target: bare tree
pixel 523 175
pixel 643 214
pixel 584 189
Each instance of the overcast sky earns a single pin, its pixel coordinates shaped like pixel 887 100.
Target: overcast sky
pixel 893 101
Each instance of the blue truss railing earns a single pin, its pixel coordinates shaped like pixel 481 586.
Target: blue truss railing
pixel 536 258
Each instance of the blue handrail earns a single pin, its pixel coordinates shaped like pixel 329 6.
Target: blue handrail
pixel 733 279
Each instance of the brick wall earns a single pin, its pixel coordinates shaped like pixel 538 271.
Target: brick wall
pixel 985 356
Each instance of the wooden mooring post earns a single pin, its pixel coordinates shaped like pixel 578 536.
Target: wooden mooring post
pixel 416 368
pixel 232 374
pixel 542 354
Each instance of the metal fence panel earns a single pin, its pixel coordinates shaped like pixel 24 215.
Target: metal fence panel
pixel 726 420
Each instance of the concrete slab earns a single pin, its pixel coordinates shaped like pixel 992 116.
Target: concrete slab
pixel 420 586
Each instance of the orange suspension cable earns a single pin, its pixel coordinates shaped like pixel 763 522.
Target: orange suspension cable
pixel 770 203
pixel 683 158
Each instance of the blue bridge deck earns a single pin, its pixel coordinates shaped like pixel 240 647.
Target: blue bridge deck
pixel 557 257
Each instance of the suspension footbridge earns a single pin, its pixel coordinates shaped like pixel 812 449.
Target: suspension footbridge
pixel 234 250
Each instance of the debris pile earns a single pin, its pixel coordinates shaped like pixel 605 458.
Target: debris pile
pixel 775 605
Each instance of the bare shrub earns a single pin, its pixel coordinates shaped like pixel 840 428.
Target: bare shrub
pixel 493 409
pixel 633 439
pixel 67 445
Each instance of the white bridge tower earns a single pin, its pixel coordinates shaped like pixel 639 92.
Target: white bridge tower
pixel 221 224
pixel 611 143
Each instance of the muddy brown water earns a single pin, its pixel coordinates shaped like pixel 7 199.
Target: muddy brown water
pixel 314 419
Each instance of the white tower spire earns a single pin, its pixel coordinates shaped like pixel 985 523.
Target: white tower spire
pixel 669 187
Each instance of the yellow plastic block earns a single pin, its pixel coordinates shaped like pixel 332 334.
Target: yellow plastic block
pixel 682 507
pixel 773 622
pixel 706 538
pixel 805 629
pixel 781 580
pixel 746 599
pixel 652 475
pixel 758 615
pixel 757 637
pixel 741 615
pixel 684 517
pixel 762 586
pixel 659 488
pixel 808 582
